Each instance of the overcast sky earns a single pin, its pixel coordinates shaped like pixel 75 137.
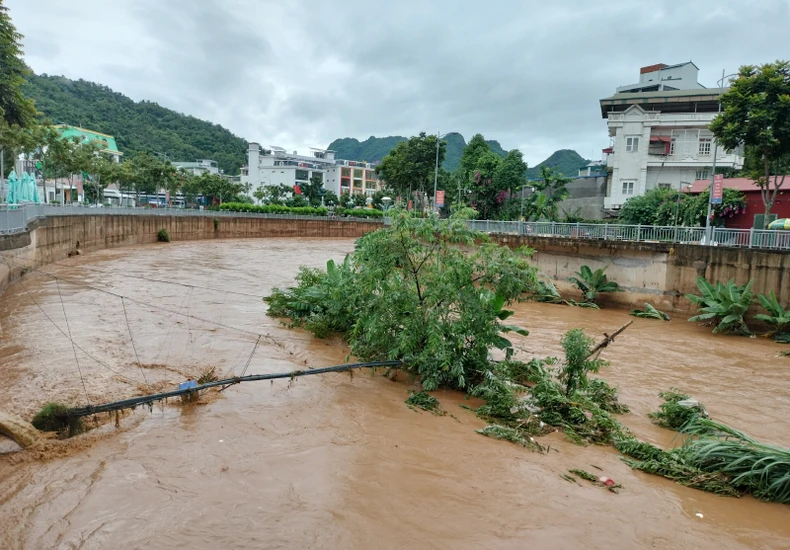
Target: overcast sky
pixel 299 73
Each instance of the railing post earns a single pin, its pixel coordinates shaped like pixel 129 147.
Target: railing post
pixel 487 231
pixel 578 230
pixel 639 232
pixel 751 236
pixel 553 231
pixel 606 231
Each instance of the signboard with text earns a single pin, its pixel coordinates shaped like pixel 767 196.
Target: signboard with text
pixel 440 198
pixel 718 189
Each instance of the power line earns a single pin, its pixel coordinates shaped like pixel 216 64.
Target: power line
pixel 30 295
pixel 73 348
pixel 136 357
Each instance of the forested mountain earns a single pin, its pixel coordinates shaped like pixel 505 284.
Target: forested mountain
pixel 374 149
pixel 137 127
pixel 566 161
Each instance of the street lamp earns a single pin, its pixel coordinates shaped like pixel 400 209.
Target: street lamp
pixel 521 216
pixel 708 227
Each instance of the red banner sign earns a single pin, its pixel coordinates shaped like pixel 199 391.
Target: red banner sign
pixel 440 198
pixel 718 189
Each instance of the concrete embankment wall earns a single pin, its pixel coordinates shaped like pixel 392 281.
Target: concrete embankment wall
pixel 57 237
pixel 657 273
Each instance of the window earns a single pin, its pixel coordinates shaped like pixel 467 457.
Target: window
pixel 357 173
pixel 703 174
pixel 628 187
pixel 631 144
pixel 346 172
pixel 663 186
pixel 672 146
pixel 704 147
pixel 370 175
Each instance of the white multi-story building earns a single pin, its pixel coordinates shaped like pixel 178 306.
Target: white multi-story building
pixel 660 138
pixel 199 167
pixel 275 166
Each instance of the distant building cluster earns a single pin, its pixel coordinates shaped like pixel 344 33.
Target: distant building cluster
pixel 275 166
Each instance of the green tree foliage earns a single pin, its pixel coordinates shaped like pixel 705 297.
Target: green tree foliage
pixel 756 113
pixel 410 166
pixel 15 109
pixel 591 283
pixel 724 304
pixel 549 191
pixel 667 207
pixel 488 180
pixel 138 127
pixel 375 149
pixel 217 189
pixel 411 292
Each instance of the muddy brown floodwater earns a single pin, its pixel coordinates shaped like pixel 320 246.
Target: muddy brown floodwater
pixel 334 461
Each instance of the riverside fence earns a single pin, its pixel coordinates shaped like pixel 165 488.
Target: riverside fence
pixel 15 219
pixel 742 238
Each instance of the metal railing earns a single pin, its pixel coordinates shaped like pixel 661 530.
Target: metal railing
pixel 742 238
pixel 15 219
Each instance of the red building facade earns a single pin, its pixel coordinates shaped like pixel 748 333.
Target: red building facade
pixel 754 201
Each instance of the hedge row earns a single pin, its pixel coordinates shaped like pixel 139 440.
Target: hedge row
pixel 300 210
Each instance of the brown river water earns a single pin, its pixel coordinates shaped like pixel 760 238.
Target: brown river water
pixel 335 461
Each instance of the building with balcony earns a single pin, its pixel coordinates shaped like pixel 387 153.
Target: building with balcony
pixel 661 139
pixel 275 166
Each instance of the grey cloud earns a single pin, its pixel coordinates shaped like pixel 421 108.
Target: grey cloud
pixel 300 73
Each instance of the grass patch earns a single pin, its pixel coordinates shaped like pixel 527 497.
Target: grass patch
pixel 677 410
pixel 54 417
pixel 425 401
pixel 163 236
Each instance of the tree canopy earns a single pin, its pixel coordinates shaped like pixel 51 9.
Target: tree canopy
pixel 756 114
pixel 410 166
pixel 15 109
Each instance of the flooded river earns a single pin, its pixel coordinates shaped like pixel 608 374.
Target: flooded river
pixel 334 461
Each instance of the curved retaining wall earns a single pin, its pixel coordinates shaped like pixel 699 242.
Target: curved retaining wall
pixel 660 274
pixel 55 238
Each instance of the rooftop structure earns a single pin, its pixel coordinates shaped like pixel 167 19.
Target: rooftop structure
pixel 661 77
pixel 107 142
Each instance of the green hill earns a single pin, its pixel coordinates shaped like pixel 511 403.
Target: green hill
pixel 137 126
pixel 374 149
pixel 565 161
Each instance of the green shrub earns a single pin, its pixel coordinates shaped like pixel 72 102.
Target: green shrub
pixel 54 417
pixel 163 236
pixel 216 224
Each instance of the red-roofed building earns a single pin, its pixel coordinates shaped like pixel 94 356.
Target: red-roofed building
pixel 754 201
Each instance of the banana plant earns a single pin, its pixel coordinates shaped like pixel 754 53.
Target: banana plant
pixel 650 313
pixel 778 317
pixel 591 283
pixel 724 304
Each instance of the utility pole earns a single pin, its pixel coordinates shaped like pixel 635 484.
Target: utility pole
pixel 708 226
pixel 436 172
